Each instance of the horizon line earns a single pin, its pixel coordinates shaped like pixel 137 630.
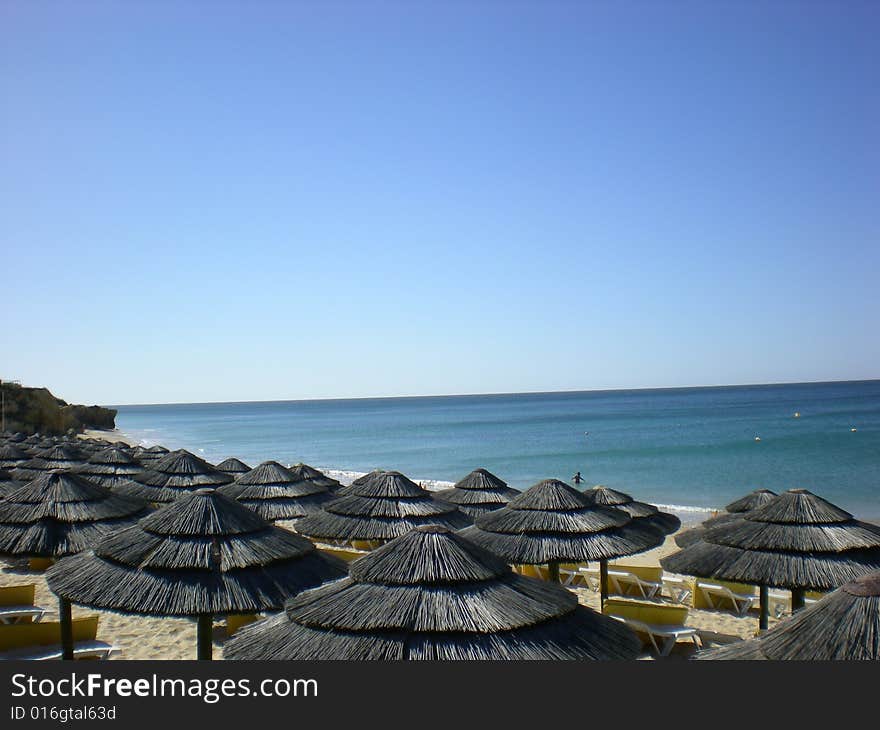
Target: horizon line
pixel 495 394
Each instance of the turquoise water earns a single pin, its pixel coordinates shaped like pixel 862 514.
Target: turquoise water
pixel 691 447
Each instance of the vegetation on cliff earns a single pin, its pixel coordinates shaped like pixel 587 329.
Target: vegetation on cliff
pixel 36 410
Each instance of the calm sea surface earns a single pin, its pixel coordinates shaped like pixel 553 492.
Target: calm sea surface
pixel 690 447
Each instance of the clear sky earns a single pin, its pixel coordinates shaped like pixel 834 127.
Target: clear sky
pixel 208 201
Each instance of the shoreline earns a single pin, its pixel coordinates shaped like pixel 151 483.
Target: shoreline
pixel 109 435
pixel 688 514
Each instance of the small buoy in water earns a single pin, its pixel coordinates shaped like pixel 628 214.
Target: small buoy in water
pixel 797 414
pixel 757 438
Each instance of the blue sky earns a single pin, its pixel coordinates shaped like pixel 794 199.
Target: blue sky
pixel 242 201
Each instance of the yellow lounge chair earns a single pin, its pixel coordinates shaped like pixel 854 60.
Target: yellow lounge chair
pixel 17 605
pixel 346 553
pixel 678 589
pixel 714 594
pixel 234 621
pixel 661 623
pixel 573 574
pixel 643 581
pixel 43 640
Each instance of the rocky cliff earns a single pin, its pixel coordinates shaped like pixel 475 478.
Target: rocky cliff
pixel 36 410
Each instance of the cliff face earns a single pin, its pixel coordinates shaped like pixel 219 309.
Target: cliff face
pixel 36 410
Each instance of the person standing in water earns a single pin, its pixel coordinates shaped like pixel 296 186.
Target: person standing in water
pixel 577 478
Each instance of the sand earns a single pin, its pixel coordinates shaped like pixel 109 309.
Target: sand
pixel 111 435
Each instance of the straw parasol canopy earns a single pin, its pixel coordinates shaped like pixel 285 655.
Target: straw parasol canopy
pixel 55 457
pixel 60 513
pixel 110 468
pixel 843 625
pixel 7 483
pixel 378 507
pixel 304 472
pixel 478 493
pixel 434 595
pixel 551 523
pixel 11 456
pixel 648 513
pixel 178 473
pixel 234 467
pixel 202 555
pixel 797 541
pixel 150 455
pixel 733 511
pixel 275 493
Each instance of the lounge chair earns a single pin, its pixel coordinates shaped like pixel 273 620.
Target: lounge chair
pixel 346 553
pixel 234 621
pixel 43 640
pixel 715 594
pixel 660 623
pixel 643 581
pixel 574 574
pixel 779 602
pixel 678 589
pixel 17 605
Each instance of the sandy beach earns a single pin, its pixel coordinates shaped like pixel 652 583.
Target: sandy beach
pixel 111 435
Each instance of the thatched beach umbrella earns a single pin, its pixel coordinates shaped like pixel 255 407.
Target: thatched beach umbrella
pixel 796 541
pixel 843 625
pixel 306 473
pixel 58 514
pixel 149 455
pixel 203 554
pixel 7 483
pixel 51 459
pixel 378 507
pixel 11 456
pixel 275 493
pixel 478 493
pixel 234 467
pixel 110 468
pixel 664 521
pixel 640 512
pixel 734 510
pixel 434 595
pixel 551 523
pixel 178 473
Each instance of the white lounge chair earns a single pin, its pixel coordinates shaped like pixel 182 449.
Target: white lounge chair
pixel 38 641
pixel 626 580
pixel 715 594
pixel 17 614
pixel 662 624
pixel 81 650
pixel 17 605
pixel 678 589
pixel 779 602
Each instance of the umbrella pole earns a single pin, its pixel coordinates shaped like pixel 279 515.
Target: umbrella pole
pixel 206 636
pixel 66 628
pixel 765 608
pixel 603 583
pixel 553 572
pixel 797 599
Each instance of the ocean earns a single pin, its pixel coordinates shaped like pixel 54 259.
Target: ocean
pixel 690 449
